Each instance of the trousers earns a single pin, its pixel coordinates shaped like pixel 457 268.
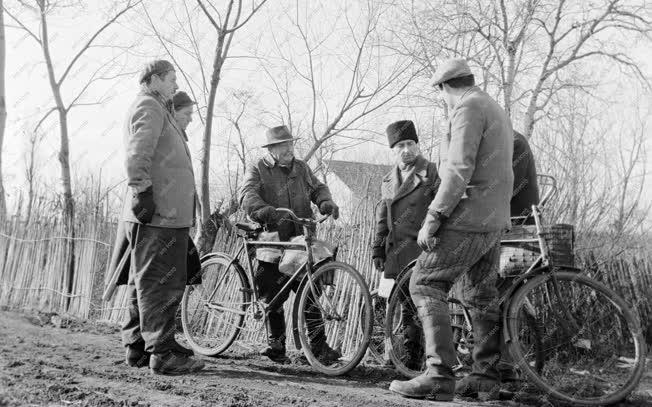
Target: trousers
pixel 156 284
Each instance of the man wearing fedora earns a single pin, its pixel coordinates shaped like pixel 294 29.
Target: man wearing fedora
pixel 406 191
pixel 279 180
pixel 157 215
pixel 461 237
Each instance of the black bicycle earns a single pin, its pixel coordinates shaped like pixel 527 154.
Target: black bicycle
pixel 574 338
pixel 332 296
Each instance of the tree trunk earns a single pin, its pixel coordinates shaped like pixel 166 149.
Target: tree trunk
pixel 204 228
pixel 3 110
pixel 64 156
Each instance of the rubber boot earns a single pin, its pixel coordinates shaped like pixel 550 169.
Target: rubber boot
pixel 438 381
pixel 173 363
pixel 412 341
pixel 276 339
pixel 135 354
pixel 483 383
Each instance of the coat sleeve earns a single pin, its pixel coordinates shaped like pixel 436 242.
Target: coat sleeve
pixel 319 191
pixel 381 232
pixel 250 193
pixel 467 127
pixel 145 128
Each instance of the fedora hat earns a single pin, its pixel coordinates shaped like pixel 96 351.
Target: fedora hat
pixel 277 135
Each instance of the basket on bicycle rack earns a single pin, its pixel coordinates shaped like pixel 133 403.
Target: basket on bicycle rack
pixel 561 244
pixel 520 247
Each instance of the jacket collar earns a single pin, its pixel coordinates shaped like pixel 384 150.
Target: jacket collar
pixel 270 162
pixel 416 177
pixel 167 104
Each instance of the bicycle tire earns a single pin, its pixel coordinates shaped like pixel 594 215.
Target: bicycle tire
pixel 394 323
pixel 343 296
pixel 211 331
pixel 618 323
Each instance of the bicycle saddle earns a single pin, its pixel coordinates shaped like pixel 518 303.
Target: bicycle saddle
pixel 249 227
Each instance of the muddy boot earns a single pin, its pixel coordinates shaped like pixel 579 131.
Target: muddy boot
pixel 173 363
pixel 177 347
pixel 483 382
pixel 276 339
pixel 135 355
pixel 438 381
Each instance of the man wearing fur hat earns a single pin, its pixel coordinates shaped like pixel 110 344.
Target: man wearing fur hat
pixel 279 180
pixel 157 215
pixel 461 237
pixel 406 192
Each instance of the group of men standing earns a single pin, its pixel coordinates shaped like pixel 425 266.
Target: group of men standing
pixel 449 216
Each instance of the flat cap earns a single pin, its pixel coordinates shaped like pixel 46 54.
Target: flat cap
pixel 155 67
pixel 450 69
pixel 181 99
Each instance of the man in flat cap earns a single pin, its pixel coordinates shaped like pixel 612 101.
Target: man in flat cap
pixel 406 191
pixel 158 212
pixel 279 180
pixel 461 237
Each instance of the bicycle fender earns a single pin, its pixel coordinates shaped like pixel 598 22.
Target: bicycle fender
pixel 516 285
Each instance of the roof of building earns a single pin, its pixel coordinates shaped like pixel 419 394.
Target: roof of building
pixel 363 179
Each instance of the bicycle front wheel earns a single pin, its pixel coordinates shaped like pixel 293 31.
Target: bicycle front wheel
pixel 335 318
pixel 592 342
pixel 212 313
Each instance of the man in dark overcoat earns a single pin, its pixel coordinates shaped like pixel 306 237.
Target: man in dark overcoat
pixel 461 236
pixel 157 214
pixel 406 191
pixel 279 180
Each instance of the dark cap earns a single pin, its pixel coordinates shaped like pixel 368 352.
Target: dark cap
pixel 450 69
pixel 400 131
pixel 277 135
pixel 157 67
pixel 181 100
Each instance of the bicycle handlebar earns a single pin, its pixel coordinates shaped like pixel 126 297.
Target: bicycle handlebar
pixel 303 221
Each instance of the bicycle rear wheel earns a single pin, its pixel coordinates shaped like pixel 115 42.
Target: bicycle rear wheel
pixel 335 318
pixel 213 312
pixel 403 330
pixel 592 342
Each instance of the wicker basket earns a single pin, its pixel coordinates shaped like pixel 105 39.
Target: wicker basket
pixel 515 258
pixel 561 244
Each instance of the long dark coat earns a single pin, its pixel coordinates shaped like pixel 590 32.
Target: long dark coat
pixel 120 261
pixel 400 214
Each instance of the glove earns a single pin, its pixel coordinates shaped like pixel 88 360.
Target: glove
pixel 426 236
pixel 142 205
pixel 329 208
pixel 266 214
pixel 379 263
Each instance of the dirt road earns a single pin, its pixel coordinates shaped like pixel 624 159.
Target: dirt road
pixel 82 364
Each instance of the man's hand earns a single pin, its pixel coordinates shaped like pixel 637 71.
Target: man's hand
pixel 329 208
pixel 266 214
pixel 426 237
pixel 142 205
pixel 379 263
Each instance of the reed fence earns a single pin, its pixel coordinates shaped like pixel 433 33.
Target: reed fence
pixel 34 255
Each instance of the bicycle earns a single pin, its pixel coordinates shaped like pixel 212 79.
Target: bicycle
pixel 574 338
pixel 330 297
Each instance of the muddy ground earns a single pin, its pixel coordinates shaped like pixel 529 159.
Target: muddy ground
pixel 48 360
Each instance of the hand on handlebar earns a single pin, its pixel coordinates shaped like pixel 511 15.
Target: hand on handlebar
pixel 329 208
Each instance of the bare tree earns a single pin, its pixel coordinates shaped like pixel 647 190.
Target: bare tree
pixel 43 8
pixel 525 47
pixel 363 85
pixel 234 18
pixel 3 110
